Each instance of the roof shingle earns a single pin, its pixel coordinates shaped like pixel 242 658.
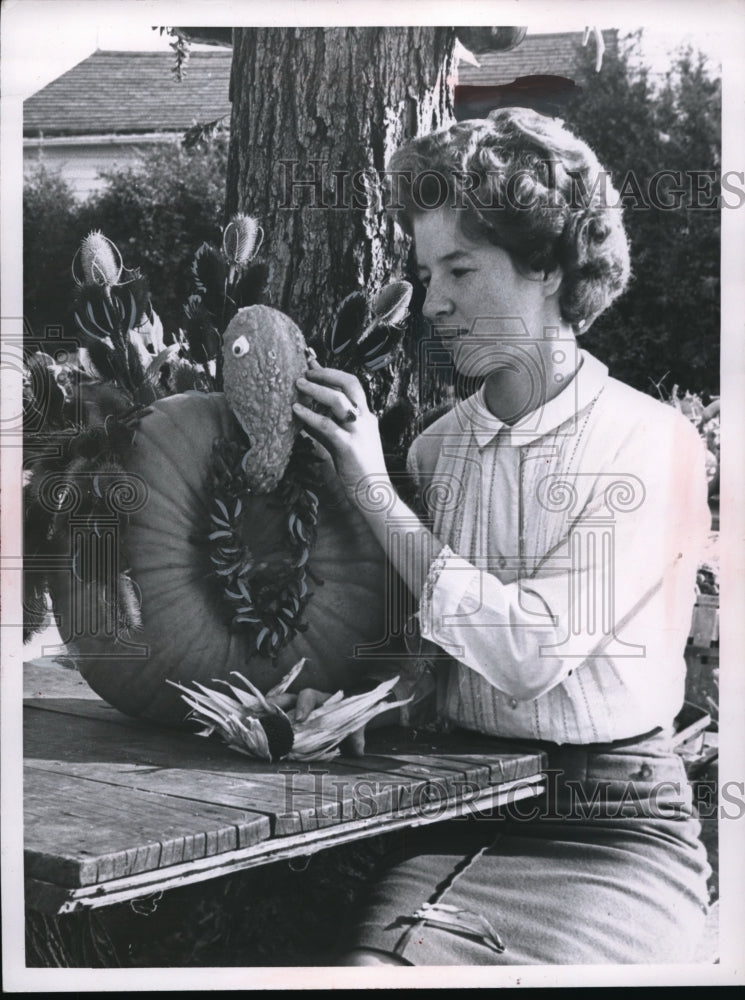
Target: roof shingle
pixel 131 92
pixel 136 92
pixel 555 54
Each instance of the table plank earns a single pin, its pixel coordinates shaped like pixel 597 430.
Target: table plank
pixel 178 763
pixel 293 800
pixel 472 769
pixel 118 807
pixel 85 832
pixel 294 796
pixel 52 677
pixel 191 786
pixel 428 770
pixel 49 898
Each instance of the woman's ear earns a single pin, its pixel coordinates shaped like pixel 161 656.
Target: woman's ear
pixel 552 281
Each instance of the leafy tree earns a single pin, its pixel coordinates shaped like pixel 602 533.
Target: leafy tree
pixel 665 329
pixel 306 162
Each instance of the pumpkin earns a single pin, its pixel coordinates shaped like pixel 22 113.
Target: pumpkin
pixel 186 632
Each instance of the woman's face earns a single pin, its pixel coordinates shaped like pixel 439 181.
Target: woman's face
pixel 496 313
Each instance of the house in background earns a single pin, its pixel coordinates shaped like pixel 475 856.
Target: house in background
pixel 538 73
pixel 110 108
pixel 555 54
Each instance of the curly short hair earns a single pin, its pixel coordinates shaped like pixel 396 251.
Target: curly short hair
pixel 524 183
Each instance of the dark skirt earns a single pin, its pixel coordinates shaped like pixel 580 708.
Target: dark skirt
pixel 607 867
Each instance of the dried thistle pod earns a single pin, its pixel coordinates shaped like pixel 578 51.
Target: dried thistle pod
pixel 241 240
pixel 100 261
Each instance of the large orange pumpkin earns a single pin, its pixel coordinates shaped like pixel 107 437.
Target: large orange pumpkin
pixel 185 619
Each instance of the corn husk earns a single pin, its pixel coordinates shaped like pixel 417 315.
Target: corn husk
pixel 317 737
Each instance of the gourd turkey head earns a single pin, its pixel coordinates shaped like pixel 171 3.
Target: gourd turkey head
pixel 264 352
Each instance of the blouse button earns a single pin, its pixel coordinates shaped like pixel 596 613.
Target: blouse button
pixel 502 562
pixel 513 702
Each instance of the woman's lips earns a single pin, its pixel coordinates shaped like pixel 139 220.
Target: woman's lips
pixel 451 332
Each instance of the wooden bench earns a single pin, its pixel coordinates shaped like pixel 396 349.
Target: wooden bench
pixel 116 808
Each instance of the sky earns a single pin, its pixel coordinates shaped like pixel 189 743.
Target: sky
pixel 41 45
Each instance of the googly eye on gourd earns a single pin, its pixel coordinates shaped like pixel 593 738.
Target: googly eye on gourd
pixel 240 347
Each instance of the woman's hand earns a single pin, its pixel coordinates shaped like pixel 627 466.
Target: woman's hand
pixel 350 432
pixel 309 699
pixel 347 427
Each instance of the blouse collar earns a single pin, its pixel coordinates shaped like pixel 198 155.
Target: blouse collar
pixel 590 379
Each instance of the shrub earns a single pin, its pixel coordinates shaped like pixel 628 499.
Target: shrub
pixel 51 235
pixel 157 212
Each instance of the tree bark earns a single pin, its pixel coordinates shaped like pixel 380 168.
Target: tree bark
pixel 328 106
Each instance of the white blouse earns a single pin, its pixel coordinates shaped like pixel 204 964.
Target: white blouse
pixel 564 591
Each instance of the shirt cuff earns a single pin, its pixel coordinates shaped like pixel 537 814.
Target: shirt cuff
pixel 448 580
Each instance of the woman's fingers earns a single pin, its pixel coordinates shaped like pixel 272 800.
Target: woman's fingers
pixel 313 360
pixel 348 384
pixel 307 700
pixel 344 426
pixel 285 701
pixel 354 744
pixel 326 428
pixel 338 402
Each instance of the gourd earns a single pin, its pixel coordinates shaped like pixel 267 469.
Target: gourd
pixel 264 355
pixel 186 632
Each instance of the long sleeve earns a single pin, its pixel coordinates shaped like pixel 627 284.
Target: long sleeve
pixel 614 586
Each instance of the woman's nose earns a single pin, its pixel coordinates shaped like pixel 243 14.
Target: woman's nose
pixel 436 305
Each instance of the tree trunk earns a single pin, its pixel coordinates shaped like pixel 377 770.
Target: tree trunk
pixel 328 106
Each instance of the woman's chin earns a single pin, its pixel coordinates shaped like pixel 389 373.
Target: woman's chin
pixel 473 360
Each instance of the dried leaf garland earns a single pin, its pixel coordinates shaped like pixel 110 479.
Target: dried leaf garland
pixel 269 605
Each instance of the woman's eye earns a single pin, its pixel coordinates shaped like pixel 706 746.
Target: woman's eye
pixel 458 272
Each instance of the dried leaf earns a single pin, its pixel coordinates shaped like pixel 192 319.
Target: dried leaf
pixel 389 306
pixel 459 921
pixel 349 323
pixel 251 287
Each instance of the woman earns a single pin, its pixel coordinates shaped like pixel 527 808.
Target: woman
pixel 555 566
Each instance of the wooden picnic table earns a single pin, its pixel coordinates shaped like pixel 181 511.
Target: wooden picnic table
pixel 117 808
